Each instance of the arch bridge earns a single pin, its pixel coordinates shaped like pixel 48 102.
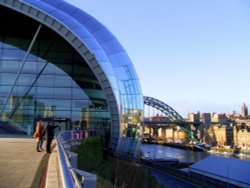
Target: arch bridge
pixel 169 117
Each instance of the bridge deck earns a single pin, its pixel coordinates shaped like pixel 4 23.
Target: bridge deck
pixel 20 164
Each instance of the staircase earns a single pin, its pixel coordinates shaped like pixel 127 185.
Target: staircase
pixel 9 128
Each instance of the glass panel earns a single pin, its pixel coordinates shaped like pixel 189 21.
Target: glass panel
pixel 103 35
pixel 93 25
pixel 80 104
pixel 62 93
pixel 59 15
pixel 79 94
pixel 7 79
pixel 45 80
pixel 25 79
pixel 112 46
pixel 50 69
pixel 30 67
pixel 10 54
pixel 44 92
pixel 9 66
pixel 107 67
pixel 62 104
pixel 81 16
pixel 92 44
pixel 62 81
pixel 68 8
pixel 71 23
pixel 100 55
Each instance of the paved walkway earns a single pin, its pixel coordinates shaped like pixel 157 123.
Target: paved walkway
pixel 21 165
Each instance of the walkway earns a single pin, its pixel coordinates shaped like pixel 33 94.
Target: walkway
pixel 21 165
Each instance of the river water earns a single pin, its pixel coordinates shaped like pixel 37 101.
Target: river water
pixel 159 151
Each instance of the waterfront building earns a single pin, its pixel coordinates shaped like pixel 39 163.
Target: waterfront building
pixel 59 63
pixel 176 135
pixel 227 134
pixel 218 135
pixel 242 137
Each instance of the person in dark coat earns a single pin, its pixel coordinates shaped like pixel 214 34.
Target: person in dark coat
pixel 49 135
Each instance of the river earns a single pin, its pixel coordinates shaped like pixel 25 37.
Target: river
pixel 159 151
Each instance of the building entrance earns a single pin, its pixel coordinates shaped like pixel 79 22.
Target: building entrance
pixel 63 123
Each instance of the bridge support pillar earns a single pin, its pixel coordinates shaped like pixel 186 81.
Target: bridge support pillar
pixel 146 129
pixel 163 133
pixel 155 132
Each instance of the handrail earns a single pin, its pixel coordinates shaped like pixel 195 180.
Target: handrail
pixel 68 173
pixel 67 179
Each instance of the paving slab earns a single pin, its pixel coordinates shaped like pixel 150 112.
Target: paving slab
pixel 21 165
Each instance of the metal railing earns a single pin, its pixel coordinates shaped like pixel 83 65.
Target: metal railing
pixel 67 160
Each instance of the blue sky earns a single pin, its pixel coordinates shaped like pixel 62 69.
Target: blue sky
pixel 194 55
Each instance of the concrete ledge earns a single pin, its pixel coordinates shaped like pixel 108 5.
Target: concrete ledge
pixel 53 176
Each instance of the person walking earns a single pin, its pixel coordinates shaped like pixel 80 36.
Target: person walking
pixel 49 135
pixel 38 135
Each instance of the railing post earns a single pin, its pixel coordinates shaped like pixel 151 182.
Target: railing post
pixel 88 179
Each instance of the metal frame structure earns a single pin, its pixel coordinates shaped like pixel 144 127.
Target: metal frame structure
pixel 21 68
pixel 164 108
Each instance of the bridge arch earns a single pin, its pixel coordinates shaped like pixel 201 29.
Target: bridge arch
pixel 172 116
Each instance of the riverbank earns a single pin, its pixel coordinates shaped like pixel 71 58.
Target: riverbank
pixel 176 145
pixel 238 152
pixel 230 151
pixel 111 171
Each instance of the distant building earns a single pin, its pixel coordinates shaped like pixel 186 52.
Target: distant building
pixel 218 135
pixel 227 135
pixel 244 111
pixel 176 135
pixel 195 118
pixel 220 118
pixel 206 118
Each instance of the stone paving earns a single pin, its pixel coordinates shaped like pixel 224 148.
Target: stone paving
pixel 21 165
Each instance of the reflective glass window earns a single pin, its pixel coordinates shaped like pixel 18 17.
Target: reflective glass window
pixel 29 67
pixel 9 66
pixel 25 79
pixel 62 81
pixel 7 79
pixel 112 46
pixel 62 93
pixel 103 35
pixel 45 80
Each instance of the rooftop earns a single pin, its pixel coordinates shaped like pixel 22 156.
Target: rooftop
pixel 233 171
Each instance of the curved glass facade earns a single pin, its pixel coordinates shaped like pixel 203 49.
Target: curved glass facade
pixel 89 80
pixel 55 81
